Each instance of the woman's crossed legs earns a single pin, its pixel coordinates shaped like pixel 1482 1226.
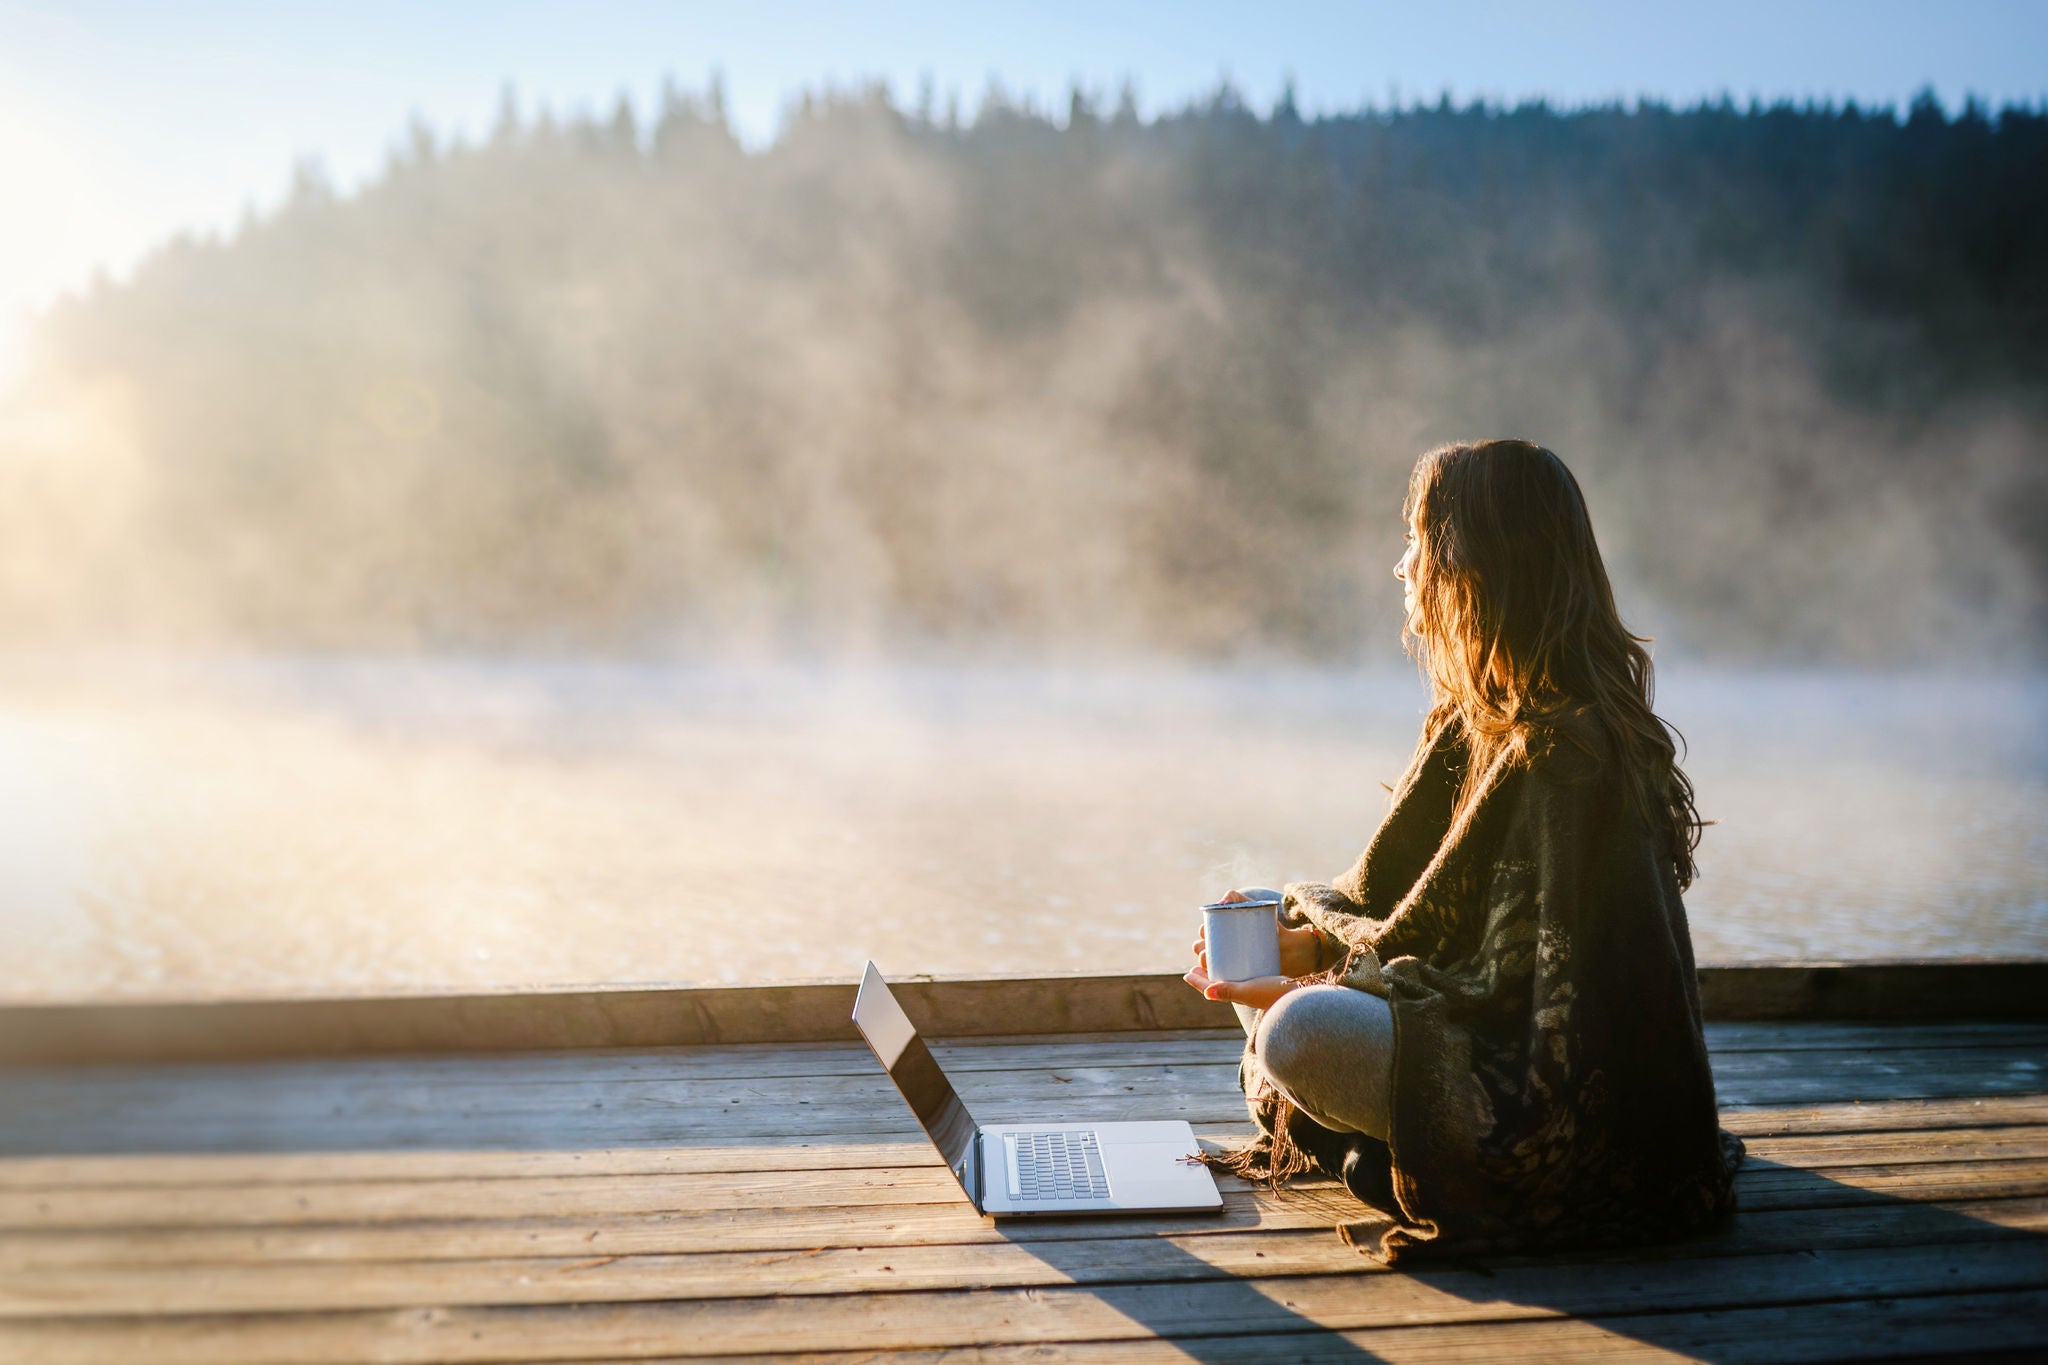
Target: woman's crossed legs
pixel 1329 1050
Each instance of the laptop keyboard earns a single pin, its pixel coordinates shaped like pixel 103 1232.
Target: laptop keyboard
pixel 1056 1165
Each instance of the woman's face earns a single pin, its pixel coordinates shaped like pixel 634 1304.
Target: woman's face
pixel 1405 571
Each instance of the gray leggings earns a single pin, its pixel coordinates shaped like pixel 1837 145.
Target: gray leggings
pixel 1330 1050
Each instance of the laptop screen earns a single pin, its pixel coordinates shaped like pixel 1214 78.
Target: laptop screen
pixel 911 1065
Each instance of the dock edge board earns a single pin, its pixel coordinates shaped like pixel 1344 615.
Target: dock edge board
pixel 945 1007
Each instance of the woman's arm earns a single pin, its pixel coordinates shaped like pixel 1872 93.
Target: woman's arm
pixel 1341 924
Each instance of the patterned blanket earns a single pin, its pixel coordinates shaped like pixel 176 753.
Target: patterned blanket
pixel 1551 1086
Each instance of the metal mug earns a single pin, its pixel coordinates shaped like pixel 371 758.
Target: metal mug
pixel 1242 939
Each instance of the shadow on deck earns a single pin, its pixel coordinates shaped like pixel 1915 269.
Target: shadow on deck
pixel 1832 1272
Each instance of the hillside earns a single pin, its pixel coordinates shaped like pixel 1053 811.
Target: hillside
pixel 1077 386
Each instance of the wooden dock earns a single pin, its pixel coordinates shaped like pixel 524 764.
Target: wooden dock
pixel 344 1189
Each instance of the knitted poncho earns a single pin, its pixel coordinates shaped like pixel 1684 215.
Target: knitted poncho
pixel 1550 1078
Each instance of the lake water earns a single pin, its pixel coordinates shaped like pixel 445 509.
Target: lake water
pixel 279 827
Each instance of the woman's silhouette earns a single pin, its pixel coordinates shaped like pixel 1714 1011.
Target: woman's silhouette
pixel 1489 1027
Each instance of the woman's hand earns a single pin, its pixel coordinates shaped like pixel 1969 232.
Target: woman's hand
pixel 1299 954
pixel 1259 993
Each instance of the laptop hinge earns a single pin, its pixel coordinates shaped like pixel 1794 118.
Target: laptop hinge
pixel 972 1178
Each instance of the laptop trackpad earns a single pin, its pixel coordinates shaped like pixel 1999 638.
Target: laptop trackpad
pixel 1139 1169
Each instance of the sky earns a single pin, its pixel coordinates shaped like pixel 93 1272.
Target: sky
pixel 122 124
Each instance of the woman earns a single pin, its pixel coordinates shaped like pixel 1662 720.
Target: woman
pixel 1489 1028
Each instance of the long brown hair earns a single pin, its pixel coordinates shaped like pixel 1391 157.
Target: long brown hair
pixel 1517 626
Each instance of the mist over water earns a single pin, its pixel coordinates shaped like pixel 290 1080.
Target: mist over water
pixel 288 827
pixel 600 553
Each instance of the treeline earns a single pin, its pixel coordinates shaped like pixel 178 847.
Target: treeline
pixel 1073 386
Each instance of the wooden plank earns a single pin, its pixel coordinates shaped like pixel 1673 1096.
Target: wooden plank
pixel 555 1080
pixel 1762 1186
pixel 810 1218
pixel 1317 1207
pixel 919 1319
pixel 361 1201
pixel 1797 1144
pixel 654 1127
pixel 435 1134
pixel 1216 1047
pixel 684 1113
pixel 596 1197
pixel 964 1056
pixel 816 1214
pixel 1870 1084
pixel 2021 1064
pixel 803 1060
pixel 1815 1150
pixel 775 1152
pixel 609 1065
pixel 213 1090
pixel 820 1011
pixel 1781 1035
pixel 290 1168
pixel 171 1098
pixel 304 1287
pixel 1976 1327
pixel 282 1285
pixel 1887 1115
pixel 590 1194
pixel 879 1118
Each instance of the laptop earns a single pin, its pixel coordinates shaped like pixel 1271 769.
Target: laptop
pixel 1017 1170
